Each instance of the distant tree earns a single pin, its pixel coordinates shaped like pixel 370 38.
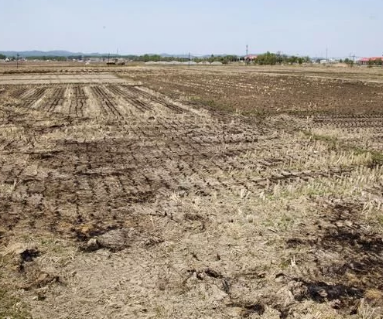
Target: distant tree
pixel 370 63
pixel 292 60
pixel 272 59
pixel 340 61
pixel 231 58
pixel 2 57
pixel 279 57
pixel 266 59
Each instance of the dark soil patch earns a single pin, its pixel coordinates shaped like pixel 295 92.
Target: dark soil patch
pixel 360 264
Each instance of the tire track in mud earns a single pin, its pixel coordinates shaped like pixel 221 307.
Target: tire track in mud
pixel 153 98
pixel 33 99
pixel 154 173
pixel 55 99
pixel 87 184
pixel 18 93
pixel 170 154
pixel 107 102
pixel 352 121
pixel 358 131
pixel 346 260
pixel 130 98
pixel 78 102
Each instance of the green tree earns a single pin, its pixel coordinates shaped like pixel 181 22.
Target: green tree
pixel 266 59
pixel 2 57
pixel 292 60
pixel 279 58
pixel 272 59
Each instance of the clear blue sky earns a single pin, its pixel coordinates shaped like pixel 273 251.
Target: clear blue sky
pixel 304 27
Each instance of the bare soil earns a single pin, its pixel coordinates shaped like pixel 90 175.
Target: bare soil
pixel 58 79
pixel 192 193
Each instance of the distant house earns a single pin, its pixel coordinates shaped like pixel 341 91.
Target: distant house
pixel 95 59
pixel 328 61
pixel 365 61
pixel 250 57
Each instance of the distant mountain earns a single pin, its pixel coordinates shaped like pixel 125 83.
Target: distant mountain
pixel 63 53
pixel 180 56
pixel 60 53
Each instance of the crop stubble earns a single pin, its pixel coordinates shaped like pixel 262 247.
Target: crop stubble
pixel 80 161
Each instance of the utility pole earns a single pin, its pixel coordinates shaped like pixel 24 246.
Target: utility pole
pixel 17 61
pixel 247 54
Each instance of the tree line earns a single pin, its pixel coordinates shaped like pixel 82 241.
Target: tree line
pixel 156 58
pixel 262 59
pixel 267 58
pixel 278 58
pixel 137 58
pixel 377 62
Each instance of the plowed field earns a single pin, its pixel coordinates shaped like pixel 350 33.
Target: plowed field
pixel 177 193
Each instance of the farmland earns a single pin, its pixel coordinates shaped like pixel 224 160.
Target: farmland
pixel 191 192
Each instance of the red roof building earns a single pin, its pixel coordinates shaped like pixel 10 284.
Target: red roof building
pixel 373 59
pixel 251 57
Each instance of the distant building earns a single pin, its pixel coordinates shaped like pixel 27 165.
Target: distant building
pixel 250 57
pixel 95 59
pixel 365 61
pixel 328 61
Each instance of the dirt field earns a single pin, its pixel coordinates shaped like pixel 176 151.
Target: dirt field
pixel 220 192
pixel 58 78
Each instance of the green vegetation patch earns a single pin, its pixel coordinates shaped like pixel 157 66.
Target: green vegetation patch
pixel 11 308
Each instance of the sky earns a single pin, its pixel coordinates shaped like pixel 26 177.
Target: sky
pixel 299 27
